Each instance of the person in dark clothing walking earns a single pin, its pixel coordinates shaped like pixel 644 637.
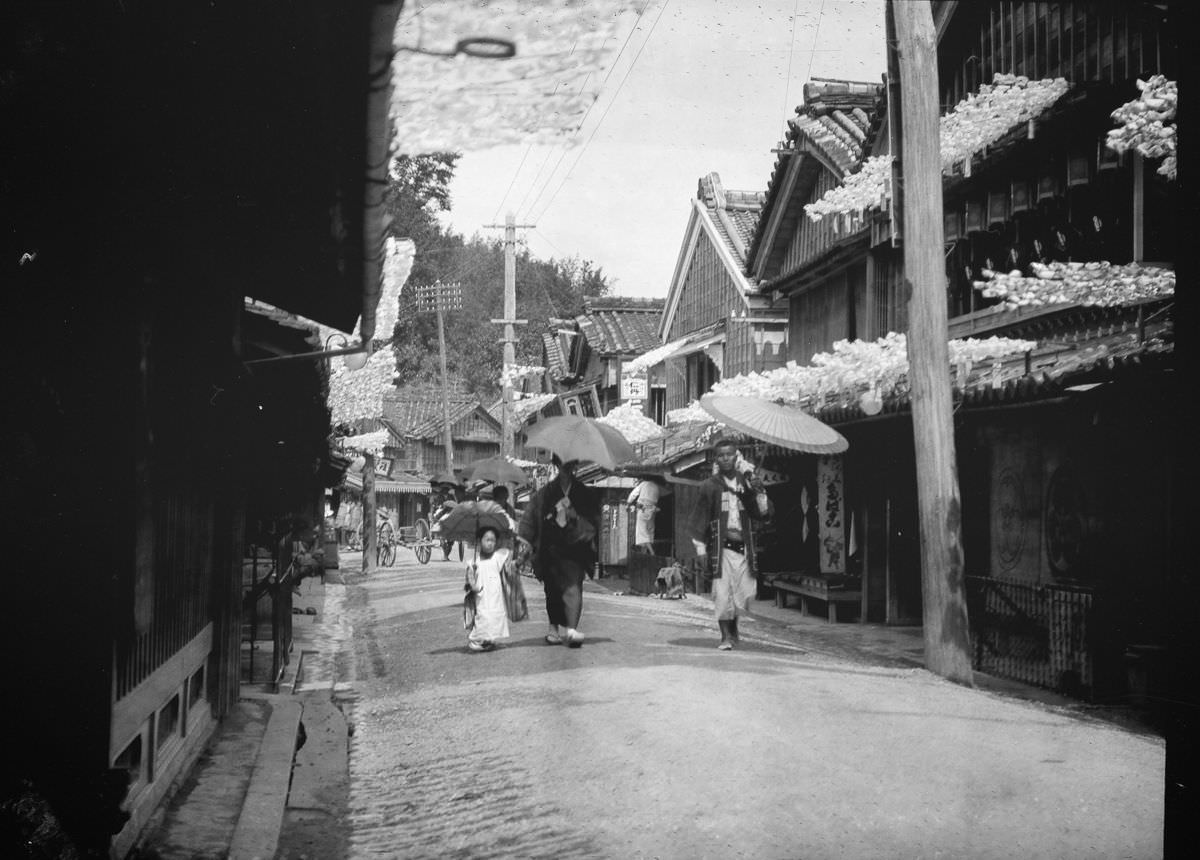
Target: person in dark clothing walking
pixel 560 528
pixel 719 527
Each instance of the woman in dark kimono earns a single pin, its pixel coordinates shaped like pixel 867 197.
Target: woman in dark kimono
pixel 560 527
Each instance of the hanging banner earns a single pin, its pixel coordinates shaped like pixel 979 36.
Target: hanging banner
pixel 831 509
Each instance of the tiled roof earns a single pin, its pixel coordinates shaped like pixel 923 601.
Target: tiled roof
pixel 432 426
pixel 1100 356
pixel 734 214
pixel 556 356
pixel 621 326
pixel 411 407
pixel 837 123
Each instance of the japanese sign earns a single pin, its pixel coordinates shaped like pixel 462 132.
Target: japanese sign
pixel 831 509
pixel 633 387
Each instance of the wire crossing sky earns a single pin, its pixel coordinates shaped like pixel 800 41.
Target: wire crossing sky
pixel 696 88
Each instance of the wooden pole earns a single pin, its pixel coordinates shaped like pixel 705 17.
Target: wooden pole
pixel 510 312
pixel 447 439
pixel 947 637
pixel 368 523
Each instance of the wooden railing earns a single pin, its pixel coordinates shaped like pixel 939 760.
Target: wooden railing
pixel 1036 634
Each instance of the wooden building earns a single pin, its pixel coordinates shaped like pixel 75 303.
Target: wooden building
pixel 718 317
pixel 134 360
pixel 1064 508
pixel 415 421
pixel 591 350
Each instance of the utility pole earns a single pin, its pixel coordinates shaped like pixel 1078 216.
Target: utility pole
pixel 509 340
pixel 944 609
pixel 438 298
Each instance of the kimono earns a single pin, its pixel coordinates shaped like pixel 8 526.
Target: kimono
pixel 723 510
pixel 563 531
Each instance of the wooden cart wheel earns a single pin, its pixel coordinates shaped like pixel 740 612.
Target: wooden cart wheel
pixel 422 542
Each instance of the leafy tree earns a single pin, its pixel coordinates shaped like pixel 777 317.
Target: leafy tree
pixel 419 189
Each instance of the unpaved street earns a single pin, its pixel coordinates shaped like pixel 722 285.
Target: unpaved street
pixel 647 742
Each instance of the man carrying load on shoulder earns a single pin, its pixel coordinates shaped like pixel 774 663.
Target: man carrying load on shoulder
pixel 719 527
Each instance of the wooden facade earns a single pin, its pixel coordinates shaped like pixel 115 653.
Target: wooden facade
pixel 421 450
pixel 1061 589
pixel 129 580
pixel 1086 40
pixel 729 326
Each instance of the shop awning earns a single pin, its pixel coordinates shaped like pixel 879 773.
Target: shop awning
pixel 388 485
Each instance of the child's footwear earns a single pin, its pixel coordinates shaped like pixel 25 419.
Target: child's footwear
pixel 574 638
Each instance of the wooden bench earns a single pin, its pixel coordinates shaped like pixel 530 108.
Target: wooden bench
pixel 815 588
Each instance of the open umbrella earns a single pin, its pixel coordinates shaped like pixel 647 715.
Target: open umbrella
pixel 773 422
pixel 465 520
pixel 576 437
pixel 497 470
pixel 445 478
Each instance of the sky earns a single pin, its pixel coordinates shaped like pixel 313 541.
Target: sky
pixel 699 86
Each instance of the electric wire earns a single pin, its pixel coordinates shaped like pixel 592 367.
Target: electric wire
pixel 817 35
pixel 600 122
pixel 787 87
pixel 612 66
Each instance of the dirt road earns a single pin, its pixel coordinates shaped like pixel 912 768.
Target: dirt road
pixel 647 742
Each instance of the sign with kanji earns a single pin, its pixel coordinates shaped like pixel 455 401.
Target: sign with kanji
pixel 831 510
pixel 383 466
pixel 633 388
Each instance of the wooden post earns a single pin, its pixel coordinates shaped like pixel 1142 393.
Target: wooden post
pixel 510 312
pixel 369 516
pixel 507 431
pixel 947 638
pixel 447 439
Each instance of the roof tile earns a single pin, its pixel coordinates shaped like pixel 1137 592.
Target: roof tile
pixel 621 326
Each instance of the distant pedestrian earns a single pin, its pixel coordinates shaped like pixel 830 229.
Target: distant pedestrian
pixel 560 528
pixel 444 499
pixel 644 499
pixel 719 526
pixel 485 581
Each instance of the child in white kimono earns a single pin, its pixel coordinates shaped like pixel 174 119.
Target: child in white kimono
pixel 483 578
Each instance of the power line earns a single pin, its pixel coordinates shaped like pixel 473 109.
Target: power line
pixel 817 35
pixel 612 66
pixel 611 102
pixel 791 54
pixel 536 176
pixel 515 175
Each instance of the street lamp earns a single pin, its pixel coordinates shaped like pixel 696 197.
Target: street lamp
pixel 354 357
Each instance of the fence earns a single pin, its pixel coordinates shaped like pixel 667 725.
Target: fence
pixel 266 593
pixel 1036 634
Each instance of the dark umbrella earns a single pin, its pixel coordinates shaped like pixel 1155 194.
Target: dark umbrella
pixel 496 470
pixel 465 520
pixel 444 478
pixel 576 437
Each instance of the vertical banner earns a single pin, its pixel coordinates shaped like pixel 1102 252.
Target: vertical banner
pixel 831 509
